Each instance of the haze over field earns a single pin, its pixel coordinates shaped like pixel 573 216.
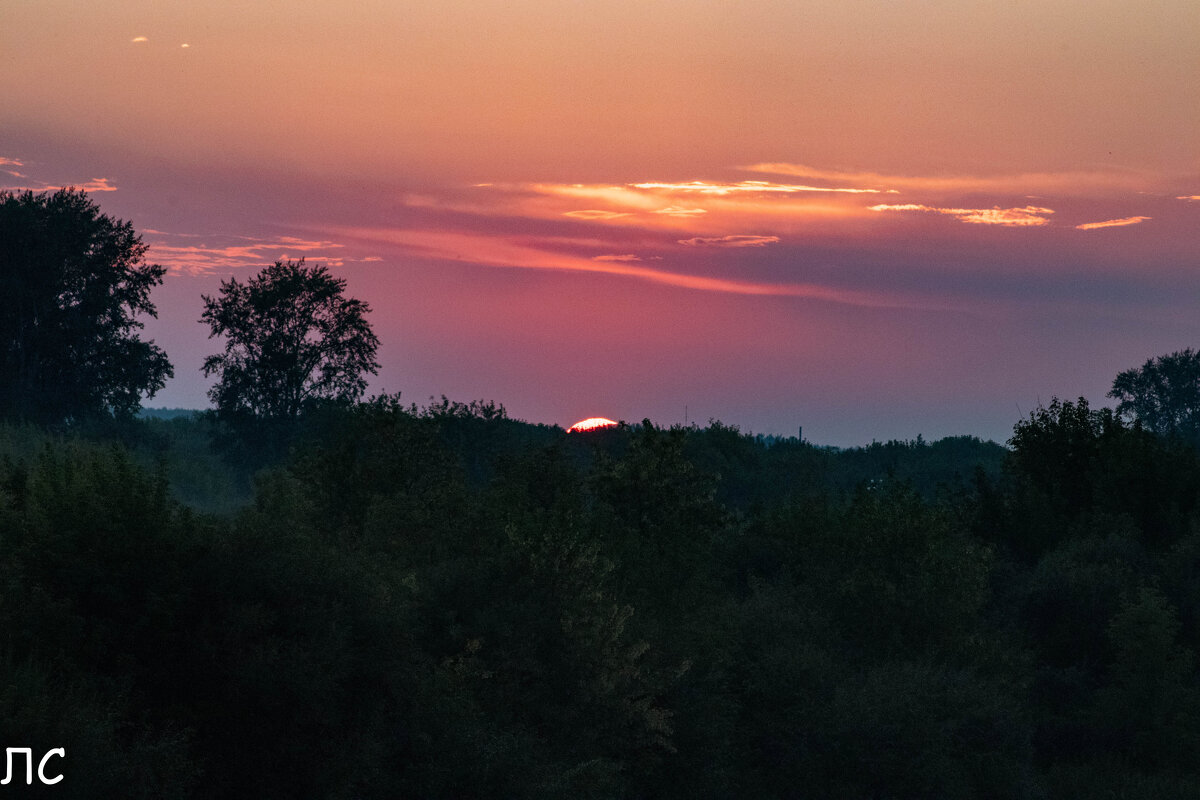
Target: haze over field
pixel 873 220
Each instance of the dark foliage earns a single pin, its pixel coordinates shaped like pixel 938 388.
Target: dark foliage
pixel 74 282
pixel 445 602
pixel 1163 395
pixel 292 340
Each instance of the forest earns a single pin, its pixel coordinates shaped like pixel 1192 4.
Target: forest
pixel 310 593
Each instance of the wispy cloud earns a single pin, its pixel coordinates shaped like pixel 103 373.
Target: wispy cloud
pixel 595 214
pixel 218 254
pixel 139 39
pixel 157 232
pixel 1111 223
pixel 1020 183
pixel 622 196
pixel 676 211
pixel 502 252
pixel 746 187
pixel 734 240
pixel 94 185
pixel 1190 197
pixel 1027 216
pixel 604 222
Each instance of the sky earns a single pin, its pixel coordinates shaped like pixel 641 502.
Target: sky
pixel 871 220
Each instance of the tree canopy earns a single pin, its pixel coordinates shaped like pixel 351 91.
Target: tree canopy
pixel 74 280
pixel 1163 394
pixel 291 339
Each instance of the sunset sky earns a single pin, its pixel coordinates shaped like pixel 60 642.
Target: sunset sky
pixel 871 219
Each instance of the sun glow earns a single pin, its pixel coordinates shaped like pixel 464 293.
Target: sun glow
pixel 591 424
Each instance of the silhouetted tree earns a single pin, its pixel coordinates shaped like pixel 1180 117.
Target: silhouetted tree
pixel 291 339
pixel 73 282
pixel 1163 394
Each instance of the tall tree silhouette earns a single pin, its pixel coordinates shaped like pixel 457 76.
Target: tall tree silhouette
pixel 291 339
pixel 73 281
pixel 1163 394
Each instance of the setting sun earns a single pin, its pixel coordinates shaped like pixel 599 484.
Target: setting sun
pixel 590 424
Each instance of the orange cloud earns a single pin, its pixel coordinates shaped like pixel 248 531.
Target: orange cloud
pixel 94 185
pixel 1022 183
pixel 722 205
pixel 139 39
pixel 1188 197
pixel 625 257
pixel 11 162
pixel 735 240
pixel 1027 216
pixel 1111 223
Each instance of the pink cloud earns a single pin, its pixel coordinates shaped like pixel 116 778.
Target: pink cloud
pixel 501 252
pixel 735 240
pixel 240 252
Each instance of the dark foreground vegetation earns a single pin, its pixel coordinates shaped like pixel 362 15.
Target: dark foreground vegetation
pixel 444 602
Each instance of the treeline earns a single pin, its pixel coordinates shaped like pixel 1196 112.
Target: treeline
pixel 444 602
